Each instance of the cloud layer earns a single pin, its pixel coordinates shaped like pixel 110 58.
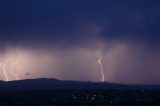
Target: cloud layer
pixel 64 39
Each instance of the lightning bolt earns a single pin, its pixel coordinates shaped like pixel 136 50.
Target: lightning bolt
pixel 101 66
pixel 4 66
pixel 14 64
pixel 14 74
pixel 4 70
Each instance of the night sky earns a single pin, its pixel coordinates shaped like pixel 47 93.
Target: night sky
pixel 64 39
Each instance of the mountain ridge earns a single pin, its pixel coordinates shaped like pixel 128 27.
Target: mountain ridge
pixel 53 84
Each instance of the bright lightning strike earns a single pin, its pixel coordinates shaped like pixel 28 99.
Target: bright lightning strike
pixel 101 65
pixel 12 66
pixel 4 70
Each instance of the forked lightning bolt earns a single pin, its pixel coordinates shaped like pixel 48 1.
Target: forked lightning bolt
pixel 101 68
pixel 10 67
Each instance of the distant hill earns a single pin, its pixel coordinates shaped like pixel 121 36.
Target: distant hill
pixel 51 84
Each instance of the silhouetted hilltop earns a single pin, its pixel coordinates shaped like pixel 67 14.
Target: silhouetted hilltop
pixel 50 84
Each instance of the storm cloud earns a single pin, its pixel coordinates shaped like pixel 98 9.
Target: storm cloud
pixel 64 39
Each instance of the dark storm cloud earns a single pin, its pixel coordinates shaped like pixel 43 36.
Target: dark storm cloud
pixel 71 21
pixel 71 35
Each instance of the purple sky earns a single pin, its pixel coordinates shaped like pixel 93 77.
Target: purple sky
pixel 64 39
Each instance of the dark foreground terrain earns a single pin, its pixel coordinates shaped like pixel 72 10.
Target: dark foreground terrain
pixel 114 97
pixel 53 92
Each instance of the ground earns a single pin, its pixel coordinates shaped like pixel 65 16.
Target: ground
pixel 114 97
